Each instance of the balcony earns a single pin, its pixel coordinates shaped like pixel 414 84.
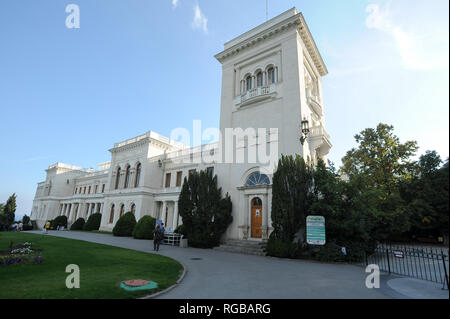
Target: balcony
pixel 314 104
pixel 319 139
pixel 255 95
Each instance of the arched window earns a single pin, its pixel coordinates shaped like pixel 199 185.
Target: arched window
pixel 122 207
pixel 271 75
pixel 111 216
pixel 127 177
pixel 117 178
pixel 138 175
pixel 259 79
pixel 256 179
pixel 248 83
pixel 133 208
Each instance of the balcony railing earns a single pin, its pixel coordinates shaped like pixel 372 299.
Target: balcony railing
pixel 318 131
pixel 255 94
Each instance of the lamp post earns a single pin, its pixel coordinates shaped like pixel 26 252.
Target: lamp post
pixel 305 130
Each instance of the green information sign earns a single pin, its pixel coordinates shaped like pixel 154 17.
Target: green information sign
pixel 315 230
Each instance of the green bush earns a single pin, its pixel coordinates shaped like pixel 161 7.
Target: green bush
pixel 28 227
pixel 58 221
pixel 181 230
pixel 93 222
pixel 78 225
pixel 125 225
pixel 144 228
pixel 277 247
pixel 25 220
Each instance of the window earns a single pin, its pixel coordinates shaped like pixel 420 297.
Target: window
pixel 256 179
pixel 127 177
pixel 179 176
pixel 168 175
pixel 76 189
pixel 117 178
pixel 84 190
pixel 271 75
pixel 122 207
pixel 259 79
pixel 89 190
pixel 133 208
pixel 138 175
pixel 248 83
pixel 103 188
pixel 96 188
pixel 192 171
pixel 111 216
pixel 210 170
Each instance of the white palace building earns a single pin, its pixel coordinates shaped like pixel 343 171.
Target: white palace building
pixel 271 79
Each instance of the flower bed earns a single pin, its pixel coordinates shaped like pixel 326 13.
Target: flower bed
pixel 20 254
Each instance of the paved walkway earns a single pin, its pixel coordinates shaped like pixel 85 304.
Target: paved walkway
pixel 223 275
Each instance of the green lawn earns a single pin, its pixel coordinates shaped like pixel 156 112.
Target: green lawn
pixel 102 268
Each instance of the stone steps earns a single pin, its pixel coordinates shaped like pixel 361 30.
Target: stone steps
pixel 247 247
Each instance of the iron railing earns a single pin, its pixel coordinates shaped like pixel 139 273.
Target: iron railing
pixel 421 262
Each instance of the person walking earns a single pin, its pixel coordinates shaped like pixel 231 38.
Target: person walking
pixel 47 226
pixel 157 237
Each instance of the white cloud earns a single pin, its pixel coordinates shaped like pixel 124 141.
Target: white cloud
pixel 175 3
pixel 200 21
pixel 417 51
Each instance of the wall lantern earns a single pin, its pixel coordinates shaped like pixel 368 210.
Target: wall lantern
pixel 305 130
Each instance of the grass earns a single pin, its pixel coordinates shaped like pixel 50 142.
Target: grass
pixel 102 268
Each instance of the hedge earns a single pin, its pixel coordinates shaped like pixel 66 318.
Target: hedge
pixel 125 225
pixel 144 228
pixel 78 225
pixel 93 222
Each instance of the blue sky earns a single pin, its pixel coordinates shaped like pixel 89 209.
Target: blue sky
pixel 67 95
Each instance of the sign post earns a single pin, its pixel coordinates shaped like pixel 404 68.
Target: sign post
pixel 315 230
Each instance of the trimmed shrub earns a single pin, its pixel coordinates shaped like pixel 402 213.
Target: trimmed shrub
pixel 125 225
pixel 144 228
pixel 78 225
pixel 277 247
pixel 93 222
pixel 59 221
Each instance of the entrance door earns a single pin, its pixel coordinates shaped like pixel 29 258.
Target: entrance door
pixel 256 218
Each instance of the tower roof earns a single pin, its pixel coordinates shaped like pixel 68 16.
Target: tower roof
pixel 287 19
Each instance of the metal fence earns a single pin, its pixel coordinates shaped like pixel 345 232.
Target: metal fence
pixel 421 262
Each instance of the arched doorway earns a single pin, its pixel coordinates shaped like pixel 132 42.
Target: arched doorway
pixel 256 218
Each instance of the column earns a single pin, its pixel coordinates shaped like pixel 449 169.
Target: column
pixel 163 212
pixel 69 213
pixel 265 217
pixel 175 216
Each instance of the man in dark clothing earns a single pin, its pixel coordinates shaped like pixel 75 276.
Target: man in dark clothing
pixel 157 237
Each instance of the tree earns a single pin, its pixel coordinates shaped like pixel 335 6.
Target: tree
pixel 427 196
pixel 10 209
pixel 380 160
pixel 291 199
pixel 375 170
pixel 206 215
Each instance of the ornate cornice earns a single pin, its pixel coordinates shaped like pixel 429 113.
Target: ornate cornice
pixel 297 21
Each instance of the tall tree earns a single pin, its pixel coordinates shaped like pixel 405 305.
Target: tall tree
pixel 206 215
pixel 426 195
pixel 10 208
pixel 375 169
pixel 291 199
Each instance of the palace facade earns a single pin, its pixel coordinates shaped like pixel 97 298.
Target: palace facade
pixel 271 79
